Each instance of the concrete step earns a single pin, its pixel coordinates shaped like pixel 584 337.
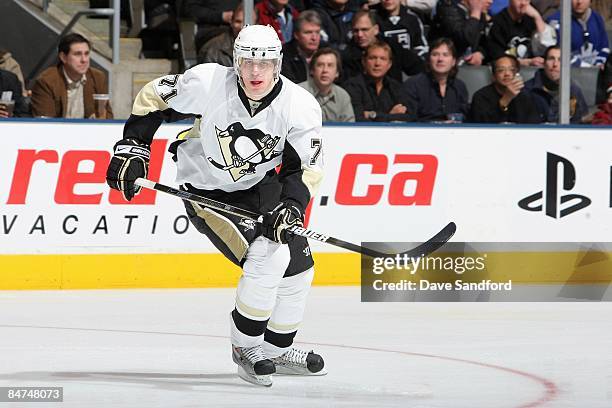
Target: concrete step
pixel 60 15
pixel 97 25
pixel 95 30
pixel 131 74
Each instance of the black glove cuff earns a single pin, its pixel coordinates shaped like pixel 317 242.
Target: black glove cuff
pixel 132 147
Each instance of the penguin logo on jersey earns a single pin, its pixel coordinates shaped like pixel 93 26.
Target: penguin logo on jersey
pixel 244 149
pixel 519 46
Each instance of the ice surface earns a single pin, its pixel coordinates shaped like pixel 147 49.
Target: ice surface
pixel 170 348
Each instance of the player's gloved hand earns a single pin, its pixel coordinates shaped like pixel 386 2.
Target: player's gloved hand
pixel 276 222
pixel 130 161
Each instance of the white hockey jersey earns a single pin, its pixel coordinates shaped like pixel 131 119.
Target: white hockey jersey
pixel 229 148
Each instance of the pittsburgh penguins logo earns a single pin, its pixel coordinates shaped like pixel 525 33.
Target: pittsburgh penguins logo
pixel 519 47
pixel 244 149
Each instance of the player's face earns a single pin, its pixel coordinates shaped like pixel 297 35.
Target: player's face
pixel 76 62
pixel 552 65
pixel 308 37
pixel 580 6
pixel 377 63
pixel 504 71
pixel 441 60
pixel 325 70
pixel 364 32
pixel 257 76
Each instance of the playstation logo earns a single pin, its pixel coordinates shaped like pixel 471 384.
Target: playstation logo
pixel 551 199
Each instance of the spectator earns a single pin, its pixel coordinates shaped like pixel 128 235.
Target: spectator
pixel 356 5
pixel 66 90
pixel 544 87
pixel 607 76
pixel 221 48
pixel 365 32
pixel 519 30
pixel 10 89
pixel 298 52
pixel 325 67
pixel 437 95
pixel 299 5
pixel 604 115
pixel 8 63
pixel 466 22
pixel 421 6
pixel 212 17
pixel 280 15
pixel 400 25
pixel 335 22
pixel 590 46
pixel 374 95
pixel 159 32
pixel 546 8
pixel 504 100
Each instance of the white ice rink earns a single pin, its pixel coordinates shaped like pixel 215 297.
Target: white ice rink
pixel 169 348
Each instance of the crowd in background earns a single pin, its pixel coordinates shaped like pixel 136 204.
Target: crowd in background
pixel 71 88
pixel 397 60
pixel 387 60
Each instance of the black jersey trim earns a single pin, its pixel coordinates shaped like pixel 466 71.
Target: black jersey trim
pixel 143 128
pixel 265 101
pixel 290 176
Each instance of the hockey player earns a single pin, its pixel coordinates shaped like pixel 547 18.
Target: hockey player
pixel 249 120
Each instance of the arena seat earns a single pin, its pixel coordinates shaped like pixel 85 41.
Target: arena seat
pixel 586 79
pixel 475 77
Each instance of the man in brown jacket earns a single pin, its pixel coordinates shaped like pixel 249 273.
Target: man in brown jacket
pixel 67 89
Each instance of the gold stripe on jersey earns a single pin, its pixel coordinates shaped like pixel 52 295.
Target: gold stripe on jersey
pixel 192 132
pixel 249 311
pixel 148 101
pixel 225 230
pixel 311 179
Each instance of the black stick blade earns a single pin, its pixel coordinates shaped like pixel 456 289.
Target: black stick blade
pixel 424 249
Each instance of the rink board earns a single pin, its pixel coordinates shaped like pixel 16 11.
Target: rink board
pixel 60 227
pixel 213 270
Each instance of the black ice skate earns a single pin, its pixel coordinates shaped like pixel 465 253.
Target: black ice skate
pixel 299 362
pixel 253 366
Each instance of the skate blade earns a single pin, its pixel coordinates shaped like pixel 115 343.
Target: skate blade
pixel 261 380
pixel 280 370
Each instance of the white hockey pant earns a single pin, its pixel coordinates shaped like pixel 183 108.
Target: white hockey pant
pixel 263 295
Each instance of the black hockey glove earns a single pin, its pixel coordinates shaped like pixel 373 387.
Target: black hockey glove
pixel 130 161
pixel 276 222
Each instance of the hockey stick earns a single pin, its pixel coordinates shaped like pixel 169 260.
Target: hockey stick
pixel 421 250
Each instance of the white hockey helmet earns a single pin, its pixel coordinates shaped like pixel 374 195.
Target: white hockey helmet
pixel 258 42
